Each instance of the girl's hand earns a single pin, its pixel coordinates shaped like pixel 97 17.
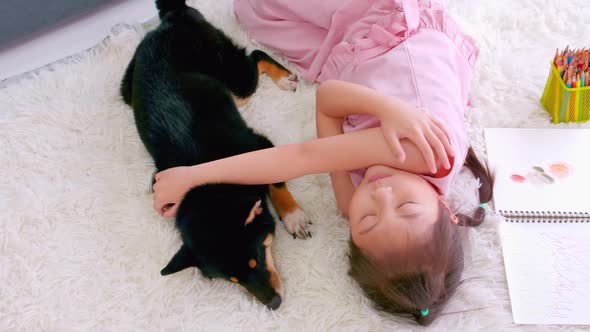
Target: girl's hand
pixel 170 187
pixel 421 128
pixel 338 99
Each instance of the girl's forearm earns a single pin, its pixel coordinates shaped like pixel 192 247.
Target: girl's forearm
pixel 344 152
pixel 323 155
pixel 265 166
pixel 339 99
pixel 341 183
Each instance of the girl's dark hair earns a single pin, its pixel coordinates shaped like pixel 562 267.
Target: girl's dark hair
pixel 424 276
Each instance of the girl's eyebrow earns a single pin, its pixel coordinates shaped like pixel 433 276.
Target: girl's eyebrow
pixel 411 215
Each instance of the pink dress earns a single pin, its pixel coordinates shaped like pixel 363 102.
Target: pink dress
pixel 410 49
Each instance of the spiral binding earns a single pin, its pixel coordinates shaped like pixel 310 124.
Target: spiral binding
pixel 545 216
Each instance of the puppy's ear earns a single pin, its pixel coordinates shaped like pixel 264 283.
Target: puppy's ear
pixel 181 260
pixel 256 210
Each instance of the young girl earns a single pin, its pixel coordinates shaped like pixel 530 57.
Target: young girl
pixel 395 76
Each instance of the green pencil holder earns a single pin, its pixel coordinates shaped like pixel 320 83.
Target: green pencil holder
pixel 565 104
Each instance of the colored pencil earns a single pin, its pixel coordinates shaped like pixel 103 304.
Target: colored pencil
pixel 573 66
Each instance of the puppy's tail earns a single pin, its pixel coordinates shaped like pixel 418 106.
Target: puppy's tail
pixel 165 6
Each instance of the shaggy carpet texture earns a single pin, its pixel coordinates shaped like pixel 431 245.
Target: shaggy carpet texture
pixel 81 247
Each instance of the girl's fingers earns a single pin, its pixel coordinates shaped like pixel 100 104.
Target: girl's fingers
pixel 441 127
pixel 426 150
pixel 444 139
pixel 158 207
pixel 170 211
pixel 396 147
pixel 437 145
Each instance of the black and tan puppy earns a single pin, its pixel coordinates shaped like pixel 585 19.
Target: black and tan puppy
pixel 183 83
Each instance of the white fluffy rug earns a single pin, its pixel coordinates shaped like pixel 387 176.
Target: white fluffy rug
pixel 81 248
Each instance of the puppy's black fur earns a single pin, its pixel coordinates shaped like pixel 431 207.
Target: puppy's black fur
pixel 180 84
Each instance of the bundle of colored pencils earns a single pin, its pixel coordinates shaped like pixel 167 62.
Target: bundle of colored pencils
pixel 573 65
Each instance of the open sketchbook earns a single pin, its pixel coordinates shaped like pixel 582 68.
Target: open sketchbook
pixel 542 189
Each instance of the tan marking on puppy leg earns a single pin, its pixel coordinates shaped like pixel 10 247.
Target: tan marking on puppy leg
pixel 282 77
pixel 272 70
pixel 268 240
pixel 252 263
pixel 256 210
pixel 295 220
pixel 282 200
pixel 275 281
pixel 233 279
pixel 240 102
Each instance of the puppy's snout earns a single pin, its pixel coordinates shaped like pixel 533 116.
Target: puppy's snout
pixel 275 302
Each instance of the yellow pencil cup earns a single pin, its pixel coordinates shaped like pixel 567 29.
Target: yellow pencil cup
pixel 565 104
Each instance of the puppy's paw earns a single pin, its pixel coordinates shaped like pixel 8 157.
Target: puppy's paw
pixel 297 223
pixel 288 83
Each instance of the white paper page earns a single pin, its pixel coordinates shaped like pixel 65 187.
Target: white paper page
pixel 518 151
pixel 548 267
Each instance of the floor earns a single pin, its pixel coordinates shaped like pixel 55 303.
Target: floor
pixel 72 37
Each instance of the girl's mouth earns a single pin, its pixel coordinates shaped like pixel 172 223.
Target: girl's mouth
pixel 378 177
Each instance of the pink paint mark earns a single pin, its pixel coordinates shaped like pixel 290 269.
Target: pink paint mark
pixel 517 178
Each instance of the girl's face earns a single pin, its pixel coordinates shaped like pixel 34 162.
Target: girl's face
pixel 390 208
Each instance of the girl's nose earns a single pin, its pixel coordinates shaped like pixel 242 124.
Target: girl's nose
pixel 384 200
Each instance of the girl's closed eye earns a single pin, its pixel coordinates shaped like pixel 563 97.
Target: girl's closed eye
pixel 409 210
pixel 367 223
pixel 409 206
pixel 405 204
